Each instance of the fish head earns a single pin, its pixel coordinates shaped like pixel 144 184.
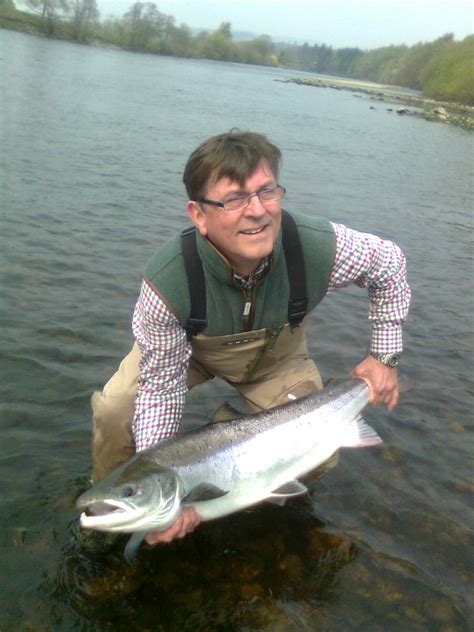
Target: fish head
pixel 137 496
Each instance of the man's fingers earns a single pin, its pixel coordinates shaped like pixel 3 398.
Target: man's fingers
pixel 382 381
pixel 385 396
pixel 187 522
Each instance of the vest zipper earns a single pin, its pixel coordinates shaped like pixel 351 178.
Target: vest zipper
pixel 249 309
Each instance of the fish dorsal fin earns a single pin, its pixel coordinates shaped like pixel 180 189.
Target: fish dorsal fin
pixel 226 412
pixel 292 488
pixel 203 491
pixel 132 546
pixel 360 434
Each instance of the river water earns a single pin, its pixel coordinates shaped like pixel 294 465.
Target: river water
pixel 93 144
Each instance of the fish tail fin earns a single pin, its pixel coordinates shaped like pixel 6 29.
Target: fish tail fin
pixel 360 434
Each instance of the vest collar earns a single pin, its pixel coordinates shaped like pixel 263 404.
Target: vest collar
pixel 218 265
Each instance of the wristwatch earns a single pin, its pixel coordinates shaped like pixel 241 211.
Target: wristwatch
pixel 390 359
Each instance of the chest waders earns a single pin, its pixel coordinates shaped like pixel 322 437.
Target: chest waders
pixel 268 367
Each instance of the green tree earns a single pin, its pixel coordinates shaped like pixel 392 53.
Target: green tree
pixel 113 31
pixel 344 60
pixel 50 10
pixel 146 27
pixel 323 57
pixel 178 41
pixel 372 64
pixel 85 18
pixel 257 51
pixel 217 44
pixel 288 57
pixel 417 57
pixel 450 75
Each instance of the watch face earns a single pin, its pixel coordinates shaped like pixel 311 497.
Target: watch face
pixel 393 360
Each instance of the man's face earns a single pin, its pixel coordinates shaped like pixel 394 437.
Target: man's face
pixel 243 237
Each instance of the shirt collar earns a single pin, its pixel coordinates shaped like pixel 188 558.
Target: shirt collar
pixel 261 271
pixel 217 264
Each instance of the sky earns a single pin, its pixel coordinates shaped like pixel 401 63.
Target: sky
pixel 363 23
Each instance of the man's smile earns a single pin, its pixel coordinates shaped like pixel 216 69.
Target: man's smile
pixel 253 231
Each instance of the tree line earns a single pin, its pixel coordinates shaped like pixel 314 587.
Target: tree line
pixel 143 28
pixel 442 69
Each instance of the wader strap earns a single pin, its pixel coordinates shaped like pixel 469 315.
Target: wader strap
pixel 197 290
pixel 298 303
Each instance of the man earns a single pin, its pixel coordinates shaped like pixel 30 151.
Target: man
pixel 230 299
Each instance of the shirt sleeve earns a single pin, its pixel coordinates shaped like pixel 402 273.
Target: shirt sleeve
pixel 380 266
pixel 165 354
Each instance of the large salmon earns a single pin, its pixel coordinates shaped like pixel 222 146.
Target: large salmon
pixel 222 468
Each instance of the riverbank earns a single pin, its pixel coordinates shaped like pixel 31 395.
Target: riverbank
pixel 404 104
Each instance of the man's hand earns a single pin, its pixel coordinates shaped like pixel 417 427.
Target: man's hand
pixel 187 522
pixel 382 381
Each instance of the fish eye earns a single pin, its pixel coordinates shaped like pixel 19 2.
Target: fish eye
pixel 128 491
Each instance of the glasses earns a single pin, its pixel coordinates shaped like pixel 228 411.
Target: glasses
pixel 241 202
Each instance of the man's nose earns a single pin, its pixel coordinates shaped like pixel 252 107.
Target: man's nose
pixel 255 207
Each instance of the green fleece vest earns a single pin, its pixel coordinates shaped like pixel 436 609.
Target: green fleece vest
pixel 225 301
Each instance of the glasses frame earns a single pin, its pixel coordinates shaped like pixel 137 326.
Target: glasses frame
pixel 248 198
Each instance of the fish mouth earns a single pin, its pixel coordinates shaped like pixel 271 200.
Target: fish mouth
pixel 114 515
pixel 110 515
pixel 102 508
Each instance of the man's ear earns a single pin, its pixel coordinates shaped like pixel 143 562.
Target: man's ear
pixel 197 216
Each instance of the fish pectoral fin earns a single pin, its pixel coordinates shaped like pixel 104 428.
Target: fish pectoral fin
pixel 203 491
pixel 131 549
pixel 226 412
pixel 276 500
pixel 359 434
pixel 292 488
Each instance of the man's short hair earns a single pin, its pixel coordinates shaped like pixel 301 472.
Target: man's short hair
pixel 235 155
